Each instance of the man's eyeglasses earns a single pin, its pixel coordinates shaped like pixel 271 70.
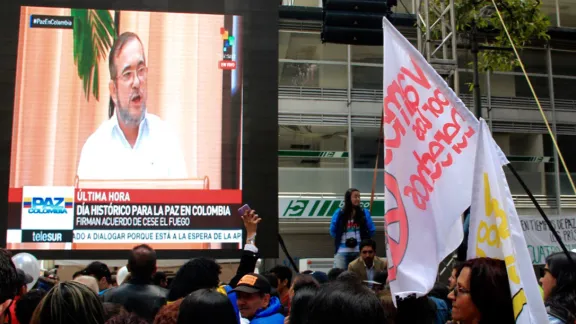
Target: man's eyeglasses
pixel 128 75
pixel 460 290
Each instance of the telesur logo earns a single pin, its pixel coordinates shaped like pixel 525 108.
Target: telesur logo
pixel 48 205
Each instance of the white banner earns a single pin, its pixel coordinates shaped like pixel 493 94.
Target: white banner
pixel 430 144
pixel 495 230
pixel 541 242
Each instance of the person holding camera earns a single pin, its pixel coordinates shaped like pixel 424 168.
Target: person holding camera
pixel 349 226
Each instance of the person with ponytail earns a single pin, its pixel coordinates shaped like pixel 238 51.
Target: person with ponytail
pixel 349 226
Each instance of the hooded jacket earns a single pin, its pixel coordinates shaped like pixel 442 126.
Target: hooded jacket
pixel 271 314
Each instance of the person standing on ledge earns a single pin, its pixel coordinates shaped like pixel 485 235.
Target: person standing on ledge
pixel 350 226
pixel 132 144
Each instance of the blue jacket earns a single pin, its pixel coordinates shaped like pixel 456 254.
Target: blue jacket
pixel 271 314
pixel 367 229
pixel 233 299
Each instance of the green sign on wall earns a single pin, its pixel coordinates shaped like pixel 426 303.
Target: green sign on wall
pixel 303 207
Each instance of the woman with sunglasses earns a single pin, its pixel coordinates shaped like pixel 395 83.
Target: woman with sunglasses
pixel 558 279
pixel 482 294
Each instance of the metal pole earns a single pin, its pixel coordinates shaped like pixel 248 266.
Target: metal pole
pixel 489 94
pixel 553 106
pixel 454 48
pixel 474 49
pixel 557 14
pixel 349 93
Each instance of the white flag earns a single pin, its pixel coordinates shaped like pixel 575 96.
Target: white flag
pixel 495 230
pixel 429 149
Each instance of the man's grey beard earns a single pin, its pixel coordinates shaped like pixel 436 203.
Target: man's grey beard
pixel 127 119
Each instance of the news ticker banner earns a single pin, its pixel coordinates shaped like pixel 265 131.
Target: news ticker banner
pixel 540 240
pixel 67 214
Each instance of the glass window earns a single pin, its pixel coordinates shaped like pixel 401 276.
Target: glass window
pixel 567 12
pixel 367 77
pixel 308 46
pixel 312 146
pixel 563 63
pixel 312 75
pixel 564 89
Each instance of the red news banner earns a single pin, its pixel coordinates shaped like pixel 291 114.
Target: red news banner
pixel 112 209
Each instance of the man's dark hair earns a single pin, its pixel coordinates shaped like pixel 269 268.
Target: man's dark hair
pixel 142 262
pixel 272 278
pixel 158 277
pixel 127 318
pixel 199 273
pixel 334 273
pixel 368 242
pixel 119 43
pixel 26 305
pixel 344 302
pixel 9 282
pixel 304 281
pixel 349 277
pixel 283 273
pixel 98 270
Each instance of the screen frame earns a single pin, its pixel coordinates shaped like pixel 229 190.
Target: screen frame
pixel 258 162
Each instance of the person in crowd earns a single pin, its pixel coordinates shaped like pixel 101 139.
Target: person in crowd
pixel 112 310
pixel 207 306
pixel 482 293
pixel 300 282
pixel 350 277
pixel 379 283
pixel 204 273
pixel 23 280
pixel 420 310
pixel 114 282
pixel 255 302
pixel 195 274
pixel 390 311
pixel 127 318
pixel 345 302
pixel 131 130
pixel 273 280
pixel 27 304
pixel 558 279
pixel 139 295
pixel 299 311
pixel 9 282
pixel 284 275
pixel 77 274
pixel 320 276
pixel 90 282
pixel 454 275
pixel 303 281
pixel 350 226
pixel 439 295
pixel 101 273
pixel 169 313
pixel 334 273
pixel 69 302
pixel 368 263
pixel 160 279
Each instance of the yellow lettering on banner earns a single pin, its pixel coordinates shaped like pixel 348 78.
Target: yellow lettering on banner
pixel 511 267
pixel 518 302
pixel 501 231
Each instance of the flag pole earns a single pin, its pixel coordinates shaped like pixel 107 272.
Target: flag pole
pixel 541 211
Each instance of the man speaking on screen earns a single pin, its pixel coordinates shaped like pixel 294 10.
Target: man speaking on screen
pixel 132 144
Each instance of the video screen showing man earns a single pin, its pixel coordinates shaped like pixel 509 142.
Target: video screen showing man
pixel 132 144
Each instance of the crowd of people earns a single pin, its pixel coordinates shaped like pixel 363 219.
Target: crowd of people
pixel 355 291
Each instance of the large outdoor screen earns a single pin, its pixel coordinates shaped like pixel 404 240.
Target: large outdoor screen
pixel 134 127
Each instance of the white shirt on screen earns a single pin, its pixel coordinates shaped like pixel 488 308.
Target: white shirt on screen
pixel 157 154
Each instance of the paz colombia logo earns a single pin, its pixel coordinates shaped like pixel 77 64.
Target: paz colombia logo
pixel 47 205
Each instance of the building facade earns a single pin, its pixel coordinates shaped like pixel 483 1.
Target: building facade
pixel 330 105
